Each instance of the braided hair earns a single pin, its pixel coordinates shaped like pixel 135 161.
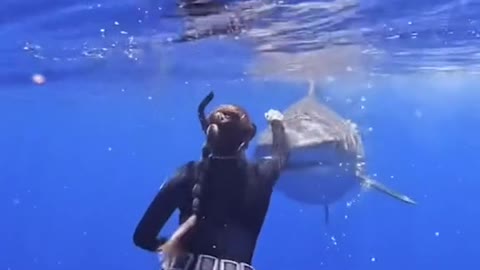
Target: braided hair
pixel 228 130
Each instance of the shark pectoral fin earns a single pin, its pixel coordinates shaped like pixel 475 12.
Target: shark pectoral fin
pixel 327 214
pixel 370 183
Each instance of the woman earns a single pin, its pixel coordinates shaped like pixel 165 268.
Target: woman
pixel 223 199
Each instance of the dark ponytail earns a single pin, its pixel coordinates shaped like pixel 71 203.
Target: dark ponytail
pixel 175 246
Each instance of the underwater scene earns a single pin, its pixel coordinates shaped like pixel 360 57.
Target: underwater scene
pixel 349 140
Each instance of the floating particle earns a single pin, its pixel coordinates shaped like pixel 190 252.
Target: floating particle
pixel 109 149
pixel 334 241
pixel 149 97
pixel 346 217
pixel 349 69
pixel 363 99
pixel 124 32
pixel 123 90
pixel 373 259
pixel 437 234
pixel 102 30
pixel 38 79
pixel 370 129
pixel 116 23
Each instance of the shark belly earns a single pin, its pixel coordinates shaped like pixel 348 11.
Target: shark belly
pixel 317 185
pixel 317 175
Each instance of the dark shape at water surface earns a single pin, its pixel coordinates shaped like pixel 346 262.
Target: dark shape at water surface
pixel 207 18
pixel 327 156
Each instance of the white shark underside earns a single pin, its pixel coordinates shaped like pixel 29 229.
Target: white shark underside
pixel 326 159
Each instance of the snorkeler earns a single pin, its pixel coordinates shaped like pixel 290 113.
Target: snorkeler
pixel 223 198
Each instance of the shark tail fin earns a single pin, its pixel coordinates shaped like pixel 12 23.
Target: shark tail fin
pixel 327 214
pixel 370 183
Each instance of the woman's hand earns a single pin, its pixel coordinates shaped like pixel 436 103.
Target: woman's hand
pixel 272 115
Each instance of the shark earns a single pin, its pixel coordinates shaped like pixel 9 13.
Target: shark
pixel 327 156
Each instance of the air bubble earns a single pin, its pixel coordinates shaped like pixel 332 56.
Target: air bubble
pixel 38 79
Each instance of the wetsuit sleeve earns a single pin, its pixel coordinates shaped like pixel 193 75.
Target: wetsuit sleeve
pixel 271 168
pixel 160 210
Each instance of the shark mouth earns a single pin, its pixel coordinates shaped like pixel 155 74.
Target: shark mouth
pixel 325 154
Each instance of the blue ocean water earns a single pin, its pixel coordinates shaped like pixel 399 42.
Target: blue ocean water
pixel 83 153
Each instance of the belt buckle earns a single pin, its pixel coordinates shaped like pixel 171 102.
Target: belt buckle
pixel 229 265
pixel 206 262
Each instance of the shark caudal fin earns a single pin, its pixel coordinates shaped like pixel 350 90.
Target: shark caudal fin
pixel 370 183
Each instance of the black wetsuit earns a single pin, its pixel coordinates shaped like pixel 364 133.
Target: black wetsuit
pixel 234 204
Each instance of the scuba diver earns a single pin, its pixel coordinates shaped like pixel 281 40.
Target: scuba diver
pixel 223 198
